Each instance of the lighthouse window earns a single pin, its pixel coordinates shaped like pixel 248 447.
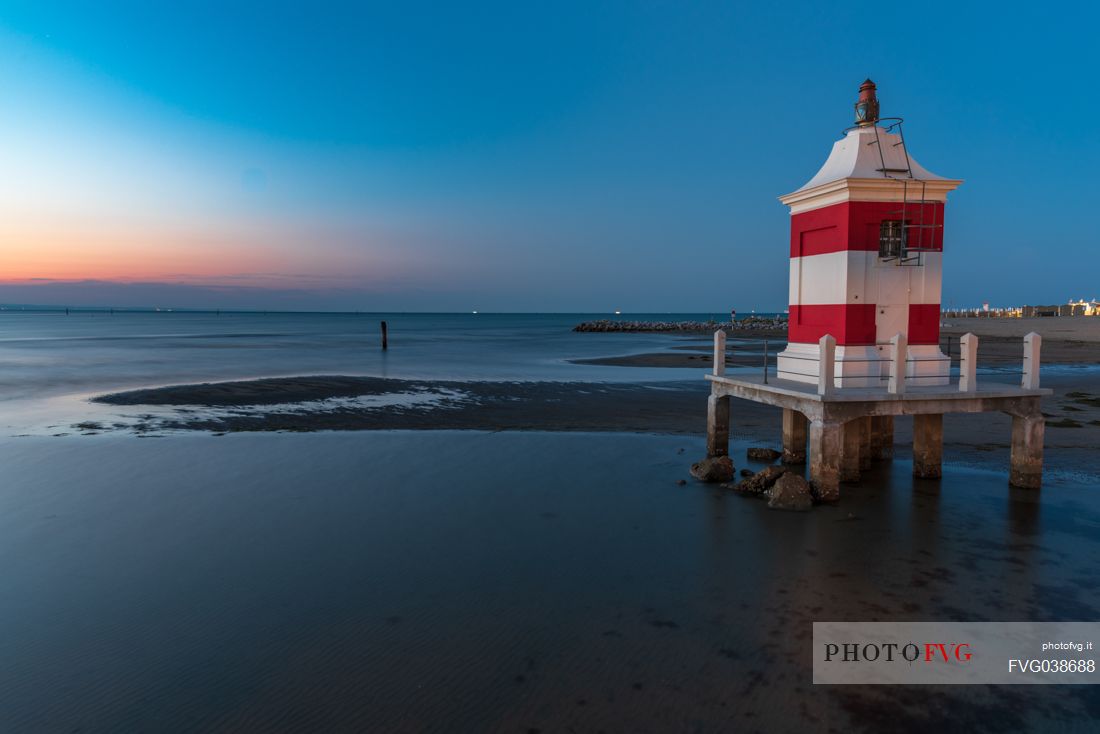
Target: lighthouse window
pixel 891 238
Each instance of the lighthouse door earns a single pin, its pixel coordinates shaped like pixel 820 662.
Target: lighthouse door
pixel 890 319
pixel 892 309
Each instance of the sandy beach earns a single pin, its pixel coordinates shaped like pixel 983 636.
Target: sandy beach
pixel 1066 340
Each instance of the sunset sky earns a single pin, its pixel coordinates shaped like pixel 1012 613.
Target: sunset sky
pixel 519 157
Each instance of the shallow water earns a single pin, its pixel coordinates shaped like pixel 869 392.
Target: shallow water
pixel 51 364
pixel 466 581
pixel 49 353
pixel 433 581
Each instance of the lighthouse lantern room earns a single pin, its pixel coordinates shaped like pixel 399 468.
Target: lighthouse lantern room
pixel 866 254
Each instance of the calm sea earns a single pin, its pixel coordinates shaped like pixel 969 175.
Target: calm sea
pixel 49 353
pixel 469 581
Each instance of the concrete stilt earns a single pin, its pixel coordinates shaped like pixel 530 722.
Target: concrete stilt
pixel 718 425
pixel 928 445
pixel 876 437
pixel 794 437
pixel 1027 451
pixel 850 450
pixel 887 429
pixel 825 450
pixel 865 443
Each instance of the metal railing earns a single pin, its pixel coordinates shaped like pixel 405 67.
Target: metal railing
pixel 896 374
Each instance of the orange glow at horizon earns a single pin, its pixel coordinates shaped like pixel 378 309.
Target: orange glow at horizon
pixel 249 255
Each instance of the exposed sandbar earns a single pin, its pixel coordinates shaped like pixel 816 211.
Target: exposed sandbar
pixel 320 403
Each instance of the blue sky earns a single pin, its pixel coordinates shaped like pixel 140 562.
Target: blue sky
pixel 515 157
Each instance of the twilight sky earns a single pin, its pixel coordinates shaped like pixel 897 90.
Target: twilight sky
pixel 520 156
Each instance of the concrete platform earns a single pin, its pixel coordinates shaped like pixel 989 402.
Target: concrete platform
pixel 936 399
pixel 849 428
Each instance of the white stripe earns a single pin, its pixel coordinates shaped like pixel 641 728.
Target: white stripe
pixel 859 276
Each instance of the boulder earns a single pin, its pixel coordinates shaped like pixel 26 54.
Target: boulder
pixel 792 458
pixel 746 473
pixel 714 469
pixel 759 482
pixel 825 496
pixel 790 492
pixel 761 454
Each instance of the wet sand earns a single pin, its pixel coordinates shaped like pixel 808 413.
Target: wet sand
pixel 512 582
pixel 1066 340
pixel 679 408
pixel 313 404
pixel 1074 328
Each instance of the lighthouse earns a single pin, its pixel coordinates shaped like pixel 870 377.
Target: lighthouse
pixel 863 335
pixel 866 249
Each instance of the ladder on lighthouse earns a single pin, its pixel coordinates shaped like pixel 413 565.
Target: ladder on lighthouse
pixel 919 215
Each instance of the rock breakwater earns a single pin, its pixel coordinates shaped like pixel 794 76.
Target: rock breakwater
pixel 751 323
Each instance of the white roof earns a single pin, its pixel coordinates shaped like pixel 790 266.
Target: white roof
pixel 857 155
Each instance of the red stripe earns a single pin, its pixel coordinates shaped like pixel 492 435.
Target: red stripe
pixel 851 324
pixel 854 225
pixel 820 231
pixel 924 323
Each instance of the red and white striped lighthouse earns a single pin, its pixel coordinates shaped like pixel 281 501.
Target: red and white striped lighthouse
pixel 867 257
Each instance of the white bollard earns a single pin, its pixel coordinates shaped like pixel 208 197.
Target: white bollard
pixel 826 364
pixel 897 368
pixel 968 363
pixel 719 352
pixel 1032 342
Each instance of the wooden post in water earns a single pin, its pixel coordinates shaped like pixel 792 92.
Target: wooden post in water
pixel 385 339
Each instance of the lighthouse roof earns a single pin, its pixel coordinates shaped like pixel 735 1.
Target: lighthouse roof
pixel 870 152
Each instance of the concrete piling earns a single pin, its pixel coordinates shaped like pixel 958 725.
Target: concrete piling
pixel 825 453
pixel 865 443
pixel 1026 457
pixel 850 449
pixel 718 426
pixel 794 437
pixel 876 437
pixel 928 445
pixel 886 427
